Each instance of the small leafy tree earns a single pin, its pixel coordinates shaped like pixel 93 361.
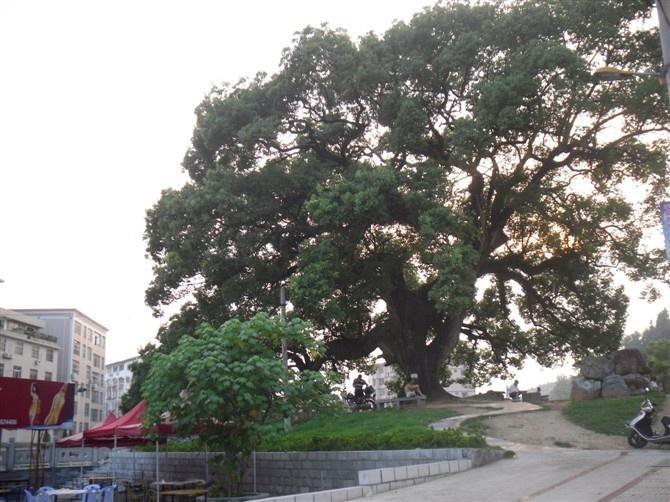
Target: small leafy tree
pixel 659 360
pixel 229 385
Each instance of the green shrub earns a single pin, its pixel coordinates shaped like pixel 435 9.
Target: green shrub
pixel 395 440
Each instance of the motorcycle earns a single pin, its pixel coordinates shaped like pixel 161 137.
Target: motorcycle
pixel 363 402
pixel 641 432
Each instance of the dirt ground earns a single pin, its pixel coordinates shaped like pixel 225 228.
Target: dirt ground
pixel 549 428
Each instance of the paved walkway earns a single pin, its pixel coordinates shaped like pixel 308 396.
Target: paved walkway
pixel 502 408
pixel 548 474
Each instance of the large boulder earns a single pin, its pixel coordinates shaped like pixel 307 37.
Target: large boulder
pixel 584 388
pixel 630 361
pixel 615 386
pixel 595 368
pixel 636 382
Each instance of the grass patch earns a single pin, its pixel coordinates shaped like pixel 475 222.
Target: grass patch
pixel 608 416
pixel 379 430
pixel 476 425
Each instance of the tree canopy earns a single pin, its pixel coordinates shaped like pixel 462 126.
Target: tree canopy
pixel 660 330
pixel 453 189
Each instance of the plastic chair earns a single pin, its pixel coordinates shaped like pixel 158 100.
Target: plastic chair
pixel 93 494
pixel 108 493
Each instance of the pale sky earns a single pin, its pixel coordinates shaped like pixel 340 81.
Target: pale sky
pixel 96 113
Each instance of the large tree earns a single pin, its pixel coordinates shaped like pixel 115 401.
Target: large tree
pixel 454 187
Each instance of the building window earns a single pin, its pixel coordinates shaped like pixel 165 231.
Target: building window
pixel 2 369
pixel 89 353
pixel 35 352
pixel 17 372
pixel 96 360
pixel 88 374
pixel 76 348
pixel 87 410
pixel 3 343
pixel 77 328
pixel 33 374
pixel 18 349
pixel 48 376
pixel 50 355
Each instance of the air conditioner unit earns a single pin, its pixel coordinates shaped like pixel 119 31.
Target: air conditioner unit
pixel 6 355
pixel 37 361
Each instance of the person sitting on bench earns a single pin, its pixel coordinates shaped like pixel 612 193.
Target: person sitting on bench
pixel 412 388
pixel 513 391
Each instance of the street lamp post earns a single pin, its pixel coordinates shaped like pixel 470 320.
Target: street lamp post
pixel 609 73
pixel 284 345
pixel 663 12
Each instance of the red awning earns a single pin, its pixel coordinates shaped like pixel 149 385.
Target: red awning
pixel 74 440
pixel 126 430
pixel 127 425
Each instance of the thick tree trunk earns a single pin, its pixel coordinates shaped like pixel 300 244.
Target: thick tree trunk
pixel 427 367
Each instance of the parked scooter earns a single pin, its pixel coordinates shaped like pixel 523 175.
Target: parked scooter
pixel 641 432
pixel 365 402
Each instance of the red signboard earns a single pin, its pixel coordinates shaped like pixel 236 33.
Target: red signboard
pixel 35 404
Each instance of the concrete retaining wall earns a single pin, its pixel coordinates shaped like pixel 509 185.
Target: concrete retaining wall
pixel 281 473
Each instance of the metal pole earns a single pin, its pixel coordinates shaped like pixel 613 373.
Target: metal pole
pixel 282 316
pixel 206 464
pixel 255 490
pixel 663 11
pixel 114 460
pixel 81 458
pixel 284 348
pixel 158 480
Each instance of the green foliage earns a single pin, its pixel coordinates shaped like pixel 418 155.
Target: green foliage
pixel 229 385
pixel 608 416
pixel 451 190
pixel 476 425
pixel 660 330
pixel 383 430
pixel 659 359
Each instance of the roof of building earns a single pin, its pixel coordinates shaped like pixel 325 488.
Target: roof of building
pixel 63 311
pixel 122 361
pixel 19 317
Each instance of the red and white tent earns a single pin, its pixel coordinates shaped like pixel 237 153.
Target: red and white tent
pixel 75 440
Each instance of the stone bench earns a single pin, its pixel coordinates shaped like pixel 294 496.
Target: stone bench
pixel 396 402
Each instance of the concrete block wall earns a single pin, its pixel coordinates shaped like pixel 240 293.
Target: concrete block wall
pixel 381 480
pixel 300 472
pixel 281 473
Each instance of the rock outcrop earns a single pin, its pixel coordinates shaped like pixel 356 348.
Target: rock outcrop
pixel 584 388
pixel 624 373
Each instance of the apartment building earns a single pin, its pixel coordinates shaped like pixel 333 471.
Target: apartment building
pixel 83 342
pixel 26 352
pixel 118 377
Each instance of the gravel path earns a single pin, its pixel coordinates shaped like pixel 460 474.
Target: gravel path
pixel 551 428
